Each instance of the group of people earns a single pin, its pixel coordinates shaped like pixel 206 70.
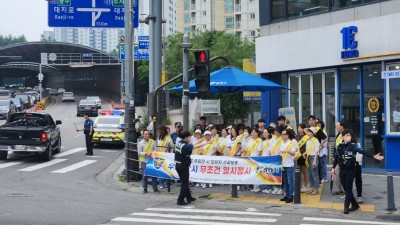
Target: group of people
pixel 308 148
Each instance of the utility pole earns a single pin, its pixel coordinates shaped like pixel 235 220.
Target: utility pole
pixel 130 133
pixel 40 76
pixel 185 84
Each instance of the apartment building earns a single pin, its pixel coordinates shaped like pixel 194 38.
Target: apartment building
pixel 236 17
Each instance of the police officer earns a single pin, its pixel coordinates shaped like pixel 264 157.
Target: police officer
pixel 183 150
pixel 346 158
pixel 88 131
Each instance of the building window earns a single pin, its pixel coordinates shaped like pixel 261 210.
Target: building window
pixel 204 27
pixel 204 13
pixel 228 5
pixel 186 5
pixel 252 16
pixel 252 33
pixel 301 8
pixel 186 18
pixel 186 30
pixel 229 22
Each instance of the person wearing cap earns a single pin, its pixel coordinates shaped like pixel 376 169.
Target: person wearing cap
pixel 320 135
pixel 228 129
pixel 176 134
pixel 196 139
pixel 311 157
pixel 208 147
pixel 261 125
pixel 183 150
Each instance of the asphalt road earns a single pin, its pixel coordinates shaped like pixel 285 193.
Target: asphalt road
pixel 66 192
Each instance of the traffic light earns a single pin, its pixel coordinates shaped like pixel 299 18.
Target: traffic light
pixel 202 70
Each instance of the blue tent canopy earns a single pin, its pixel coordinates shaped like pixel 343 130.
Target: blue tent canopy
pixel 232 80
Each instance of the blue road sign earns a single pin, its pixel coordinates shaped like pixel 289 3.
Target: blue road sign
pixel 90 13
pixel 140 54
pixel 143 42
pixel 122 51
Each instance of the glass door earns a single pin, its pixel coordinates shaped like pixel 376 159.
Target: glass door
pixel 373 114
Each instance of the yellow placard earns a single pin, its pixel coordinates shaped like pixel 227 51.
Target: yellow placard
pixel 249 66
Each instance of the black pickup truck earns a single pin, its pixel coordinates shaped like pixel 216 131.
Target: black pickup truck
pixel 30 132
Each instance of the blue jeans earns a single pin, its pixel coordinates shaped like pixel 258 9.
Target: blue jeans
pixel 322 167
pixel 288 180
pixel 145 179
pixel 313 172
pixel 161 181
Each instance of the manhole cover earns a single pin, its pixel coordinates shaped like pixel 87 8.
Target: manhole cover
pixel 18 195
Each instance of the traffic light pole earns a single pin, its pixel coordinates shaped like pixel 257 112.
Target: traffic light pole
pixel 185 98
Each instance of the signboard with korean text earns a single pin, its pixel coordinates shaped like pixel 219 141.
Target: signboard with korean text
pixel 290 114
pixel 220 169
pixel 249 65
pixel 210 106
pixel 90 13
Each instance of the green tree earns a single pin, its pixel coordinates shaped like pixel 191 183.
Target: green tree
pixel 218 43
pixel 7 40
pixel 45 39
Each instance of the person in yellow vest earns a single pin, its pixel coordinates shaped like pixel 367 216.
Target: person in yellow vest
pixel 209 147
pixel 246 137
pixel 340 126
pixel 234 143
pixel 301 162
pixel 145 148
pixel 164 144
pixel 222 143
pixel 267 135
pixel 288 152
pixel 254 148
pixel 311 156
pixel 274 149
pixel 196 138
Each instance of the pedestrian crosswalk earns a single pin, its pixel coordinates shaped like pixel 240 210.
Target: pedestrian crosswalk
pixel 58 160
pixel 197 217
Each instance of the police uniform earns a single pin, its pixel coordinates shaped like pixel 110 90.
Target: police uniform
pixel 346 158
pixel 88 131
pixel 183 151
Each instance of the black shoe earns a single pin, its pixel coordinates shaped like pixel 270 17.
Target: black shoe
pixel 191 200
pixel 145 191
pixel 156 191
pixel 354 208
pixel 284 199
pixel 90 154
pixel 87 154
pixel 289 200
pixel 181 203
pixel 346 211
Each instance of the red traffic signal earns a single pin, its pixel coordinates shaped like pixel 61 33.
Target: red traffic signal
pixel 201 56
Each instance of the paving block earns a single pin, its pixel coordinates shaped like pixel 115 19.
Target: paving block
pixel 367 208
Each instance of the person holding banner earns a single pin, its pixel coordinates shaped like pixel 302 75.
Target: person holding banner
pixel 145 148
pixel 267 135
pixel 222 143
pixel 254 148
pixel 183 150
pixel 164 143
pixel 208 147
pixel 234 143
pixel 288 151
pixel 311 157
pixel 302 138
pixel 274 149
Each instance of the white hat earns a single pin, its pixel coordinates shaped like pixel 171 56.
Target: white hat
pixel 273 125
pixel 197 131
pixel 207 132
pixel 312 129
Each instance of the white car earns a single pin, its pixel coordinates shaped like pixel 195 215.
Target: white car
pixel 68 96
pixel 96 99
pixel 60 91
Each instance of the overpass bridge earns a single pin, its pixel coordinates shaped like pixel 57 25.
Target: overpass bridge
pixel 77 68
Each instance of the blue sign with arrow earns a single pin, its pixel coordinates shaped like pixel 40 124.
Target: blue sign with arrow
pixel 90 13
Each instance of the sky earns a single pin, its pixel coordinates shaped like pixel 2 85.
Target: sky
pixel 23 17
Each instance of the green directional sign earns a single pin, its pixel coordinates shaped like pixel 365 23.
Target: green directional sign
pixel 64 2
pixel 120 3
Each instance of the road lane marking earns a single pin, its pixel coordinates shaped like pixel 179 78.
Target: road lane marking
pixel 74 166
pixel 42 165
pixel 206 217
pixel 5 165
pixel 69 152
pixel 143 220
pixel 347 221
pixel 212 211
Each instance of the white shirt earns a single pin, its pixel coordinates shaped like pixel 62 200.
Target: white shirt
pixel 267 151
pixel 324 150
pixel 315 147
pixel 289 162
pixel 142 145
pixel 258 148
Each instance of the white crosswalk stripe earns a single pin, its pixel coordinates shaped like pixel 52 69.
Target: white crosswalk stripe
pixel 42 165
pixel 197 217
pixel 345 221
pixel 69 152
pixel 9 164
pixel 74 166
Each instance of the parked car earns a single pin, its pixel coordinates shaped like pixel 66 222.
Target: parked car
pixel 68 96
pixel 6 108
pixel 87 106
pixel 19 104
pixel 5 94
pixel 34 95
pixel 26 99
pixel 96 99
pixel 30 132
pixel 60 91
pixel 109 130
pixel 53 92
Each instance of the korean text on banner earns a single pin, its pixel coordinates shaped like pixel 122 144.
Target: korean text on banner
pixel 220 169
